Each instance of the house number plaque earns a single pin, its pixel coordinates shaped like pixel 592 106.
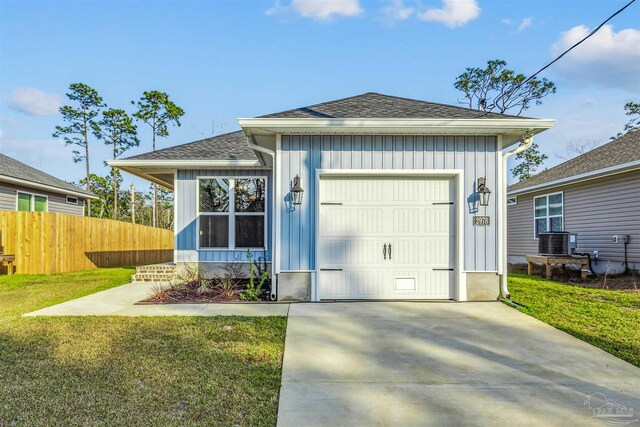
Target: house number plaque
pixel 480 220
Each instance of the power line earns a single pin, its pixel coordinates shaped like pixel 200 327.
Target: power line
pixel 595 30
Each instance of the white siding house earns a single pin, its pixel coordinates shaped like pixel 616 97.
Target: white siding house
pixel 390 206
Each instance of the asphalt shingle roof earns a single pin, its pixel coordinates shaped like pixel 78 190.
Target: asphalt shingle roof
pixel 622 150
pixel 373 105
pixel 15 169
pixel 230 146
pixel 234 145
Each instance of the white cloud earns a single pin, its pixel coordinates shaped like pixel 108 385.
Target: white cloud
pixel 396 11
pixel 321 10
pixel 608 58
pixel 35 102
pixel 454 13
pixel 525 23
pixel 507 21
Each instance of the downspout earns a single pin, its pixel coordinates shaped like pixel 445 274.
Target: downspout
pixel 256 147
pixel 527 142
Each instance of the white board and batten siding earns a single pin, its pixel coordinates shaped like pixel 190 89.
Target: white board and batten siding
pixel 186 191
pixel 302 155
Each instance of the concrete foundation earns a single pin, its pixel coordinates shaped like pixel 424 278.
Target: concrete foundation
pixel 294 286
pixel 483 286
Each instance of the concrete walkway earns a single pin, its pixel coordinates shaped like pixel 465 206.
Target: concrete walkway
pixel 410 364
pixel 121 301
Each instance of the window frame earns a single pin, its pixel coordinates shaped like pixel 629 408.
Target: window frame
pixel 77 200
pixel 32 200
pixel 547 217
pixel 232 212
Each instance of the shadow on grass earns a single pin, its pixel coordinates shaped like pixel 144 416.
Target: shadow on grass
pixel 141 371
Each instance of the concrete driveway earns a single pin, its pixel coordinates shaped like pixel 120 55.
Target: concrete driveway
pixel 403 363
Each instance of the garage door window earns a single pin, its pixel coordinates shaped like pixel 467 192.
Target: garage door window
pixel 231 213
pixel 548 213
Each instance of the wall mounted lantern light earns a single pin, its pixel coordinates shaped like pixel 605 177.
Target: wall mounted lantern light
pixel 483 192
pixel 296 191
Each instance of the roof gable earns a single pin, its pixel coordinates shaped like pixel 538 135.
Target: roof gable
pixel 13 168
pixel 618 152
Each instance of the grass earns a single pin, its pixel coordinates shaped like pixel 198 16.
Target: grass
pixel 131 371
pixel 607 319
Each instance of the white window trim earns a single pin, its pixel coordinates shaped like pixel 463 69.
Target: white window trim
pixel 232 214
pixel 77 202
pixel 547 217
pixel 32 200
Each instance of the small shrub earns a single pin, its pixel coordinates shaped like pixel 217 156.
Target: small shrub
pixel 258 278
pixel 229 281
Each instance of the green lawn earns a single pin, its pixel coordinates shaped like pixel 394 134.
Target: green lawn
pixel 131 371
pixel 607 319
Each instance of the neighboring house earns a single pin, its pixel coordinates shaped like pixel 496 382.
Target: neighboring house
pixel 23 188
pixel 388 205
pixel 595 195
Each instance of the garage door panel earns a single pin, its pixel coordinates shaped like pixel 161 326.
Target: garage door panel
pixel 335 251
pixel 405 220
pixel 438 252
pixel 413 216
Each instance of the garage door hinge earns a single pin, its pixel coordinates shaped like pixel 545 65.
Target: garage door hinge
pixel 442 203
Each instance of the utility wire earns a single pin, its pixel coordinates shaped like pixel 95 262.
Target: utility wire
pixel 595 30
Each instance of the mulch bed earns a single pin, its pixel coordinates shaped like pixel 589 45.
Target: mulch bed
pixel 193 292
pixel 629 282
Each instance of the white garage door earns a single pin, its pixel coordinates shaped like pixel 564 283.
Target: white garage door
pixel 386 238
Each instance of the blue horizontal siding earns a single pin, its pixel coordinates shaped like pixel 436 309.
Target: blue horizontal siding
pixel 186 218
pixel 303 154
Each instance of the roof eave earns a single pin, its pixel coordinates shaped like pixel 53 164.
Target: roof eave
pixel 587 176
pixel 511 128
pixel 45 187
pixel 146 169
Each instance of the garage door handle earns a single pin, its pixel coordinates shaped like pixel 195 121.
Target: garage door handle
pixel 330 269
pixel 442 269
pixel 389 250
pixel 384 251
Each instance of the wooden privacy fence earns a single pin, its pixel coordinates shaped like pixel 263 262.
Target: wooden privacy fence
pixel 46 242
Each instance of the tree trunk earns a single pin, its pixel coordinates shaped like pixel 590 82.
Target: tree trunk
pixel 86 151
pixel 133 203
pixel 115 185
pixel 154 212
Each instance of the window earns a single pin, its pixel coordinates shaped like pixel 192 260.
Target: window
pixel 512 201
pixel 31 202
pixel 548 213
pixel 231 213
pixel 72 200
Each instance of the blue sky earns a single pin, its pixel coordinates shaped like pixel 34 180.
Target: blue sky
pixel 220 60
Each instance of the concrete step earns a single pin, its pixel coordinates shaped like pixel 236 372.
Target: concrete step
pixel 156 268
pixel 152 277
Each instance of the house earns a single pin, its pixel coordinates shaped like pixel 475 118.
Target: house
pixel 388 203
pixel 23 188
pixel 595 195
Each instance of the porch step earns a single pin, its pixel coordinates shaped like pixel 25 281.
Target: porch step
pixel 159 273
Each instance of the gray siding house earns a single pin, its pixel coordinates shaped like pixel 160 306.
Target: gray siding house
pixel 24 188
pixel 596 195
pixel 388 204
